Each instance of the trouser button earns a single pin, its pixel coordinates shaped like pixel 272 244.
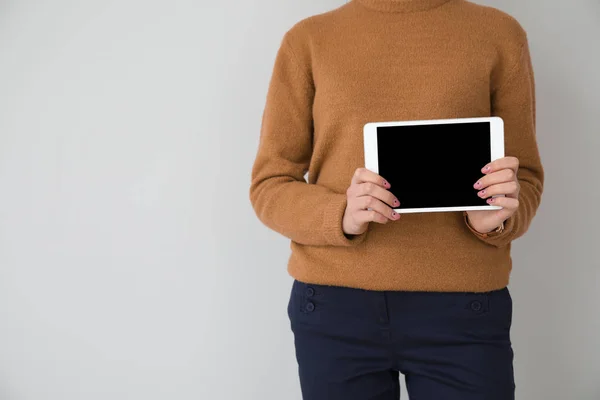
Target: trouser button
pixel 475 305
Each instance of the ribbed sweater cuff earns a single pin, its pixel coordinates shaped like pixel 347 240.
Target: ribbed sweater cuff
pixel 497 239
pixel 332 224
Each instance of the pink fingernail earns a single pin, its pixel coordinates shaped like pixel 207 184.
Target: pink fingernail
pixel 396 202
pixel 486 168
pixel 385 183
pixel 481 193
pixel 477 184
pixel 490 200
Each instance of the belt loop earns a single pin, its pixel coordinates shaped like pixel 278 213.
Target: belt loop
pixel 382 308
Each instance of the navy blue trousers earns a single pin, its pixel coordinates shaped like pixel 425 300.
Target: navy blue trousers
pixel 351 344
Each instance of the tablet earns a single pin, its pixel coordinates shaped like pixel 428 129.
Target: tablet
pixel 432 165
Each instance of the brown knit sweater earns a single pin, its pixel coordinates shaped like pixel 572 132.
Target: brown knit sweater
pixel 391 60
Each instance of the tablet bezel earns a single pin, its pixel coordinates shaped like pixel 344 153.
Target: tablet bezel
pixel 496 152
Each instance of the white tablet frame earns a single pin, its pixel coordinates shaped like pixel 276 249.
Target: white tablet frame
pixel 496 147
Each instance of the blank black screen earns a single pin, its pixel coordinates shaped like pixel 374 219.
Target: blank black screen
pixel 434 165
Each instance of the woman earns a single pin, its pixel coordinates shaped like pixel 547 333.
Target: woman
pixel 375 294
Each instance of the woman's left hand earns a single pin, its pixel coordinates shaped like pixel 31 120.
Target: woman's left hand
pixel 500 179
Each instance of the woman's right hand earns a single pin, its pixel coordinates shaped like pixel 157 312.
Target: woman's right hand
pixel 368 200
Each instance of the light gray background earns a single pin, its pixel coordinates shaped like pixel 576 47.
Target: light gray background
pixel 131 263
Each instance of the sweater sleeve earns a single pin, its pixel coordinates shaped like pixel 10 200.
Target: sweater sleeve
pixel 514 101
pixel 283 200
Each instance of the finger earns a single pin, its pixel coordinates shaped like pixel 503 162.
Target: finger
pixel 362 175
pixel 510 189
pixel 500 164
pixel 370 203
pixel 363 216
pixel 371 189
pixel 509 206
pixel 504 175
